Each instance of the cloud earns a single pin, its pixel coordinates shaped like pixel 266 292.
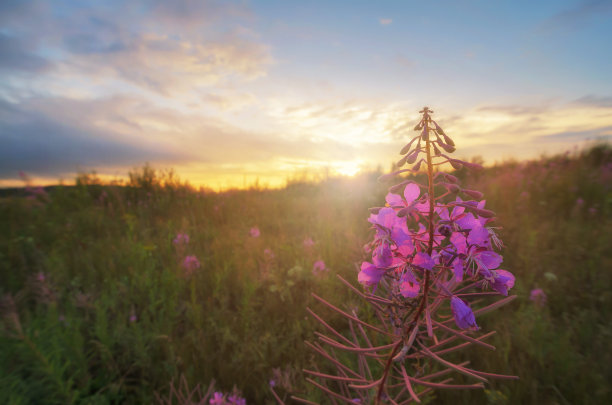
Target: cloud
pixel 169 48
pixel 37 143
pixel 594 101
pixel 15 55
pixel 385 21
pixel 578 16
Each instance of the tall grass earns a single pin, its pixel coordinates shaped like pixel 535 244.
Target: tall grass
pixel 97 308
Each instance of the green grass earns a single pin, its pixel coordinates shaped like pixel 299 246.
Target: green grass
pixel 106 252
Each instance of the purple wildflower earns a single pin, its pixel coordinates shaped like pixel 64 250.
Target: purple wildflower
pixel 236 400
pixel 538 296
pixel 181 239
pixel 503 280
pixel 254 232
pixel 319 268
pixel 464 317
pixel 190 264
pixel 217 399
pixel 308 243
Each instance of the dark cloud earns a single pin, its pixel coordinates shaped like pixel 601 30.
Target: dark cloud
pixel 14 55
pixel 578 16
pixel 36 143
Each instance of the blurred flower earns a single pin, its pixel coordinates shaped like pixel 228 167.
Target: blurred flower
pixel 255 232
pixel 40 276
pixel 133 318
pixel 190 263
pixel 580 202
pixel 268 254
pixel 538 297
pixel 464 317
pixel 217 399
pixel 319 267
pixel 272 383
pixel 308 243
pixel 181 239
pixel 236 400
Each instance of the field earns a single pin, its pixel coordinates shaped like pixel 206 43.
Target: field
pixel 99 305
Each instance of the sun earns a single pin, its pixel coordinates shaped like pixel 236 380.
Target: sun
pixel 349 169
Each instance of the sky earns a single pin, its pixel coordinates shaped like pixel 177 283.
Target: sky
pixel 229 93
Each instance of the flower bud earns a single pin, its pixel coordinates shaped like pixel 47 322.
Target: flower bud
pixel 451 178
pixel 472 193
pixel 453 188
pixel 436 150
pixel 448 140
pixel 448 148
pixel 455 163
pixel 473 166
pixel 417 166
pixel 406 148
pixel 402 161
pixel 411 158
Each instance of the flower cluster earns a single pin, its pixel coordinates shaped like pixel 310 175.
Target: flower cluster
pixel 433 251
pixel 219 398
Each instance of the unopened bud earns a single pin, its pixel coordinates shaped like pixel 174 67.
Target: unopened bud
pixel 448 140
pixel 473 166
pixel 417 166
pixel 453 188
pixel 455 163
pixel 451 178
pixel 436 150
pixel 406 148
pixel 413 157
pixel 472 193
pixel 425 134
pixel 483 213
pixel 402 161
pixel 419 126
pixel 439 129
pixel 448 148
pixel 374 210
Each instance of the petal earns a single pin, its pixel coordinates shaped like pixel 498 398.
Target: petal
pixel 411 192
pixel 464 317
pixel 423 260
pixel 478 236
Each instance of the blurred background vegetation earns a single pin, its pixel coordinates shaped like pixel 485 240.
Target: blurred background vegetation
pixel 96 307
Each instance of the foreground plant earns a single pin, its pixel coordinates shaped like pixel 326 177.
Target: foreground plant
pixel 433 271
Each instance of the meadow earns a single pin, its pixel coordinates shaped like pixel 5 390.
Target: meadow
pixel 100 306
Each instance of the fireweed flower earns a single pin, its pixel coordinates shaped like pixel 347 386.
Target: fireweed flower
pixel 254 232
pixel 433 252
pixel 538 297
pixel 236 400
pixel 319 268
pixel 190 264
pixel 181 239
pixel 217 399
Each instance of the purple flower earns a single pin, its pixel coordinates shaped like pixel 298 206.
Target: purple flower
pixel 268 254
pixel 319 267
pixel 381 256
pixel 464 317
pixel 308 243
pixel 422 259
pixel 370 274
pixel 217 399
pixel 538 297
pixel 181 239
pixel 503 280
pixel 254 232
pixel 409 286
pixel 190 264
pixel 236 400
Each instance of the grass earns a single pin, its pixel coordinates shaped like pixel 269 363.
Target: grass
pixel 115 319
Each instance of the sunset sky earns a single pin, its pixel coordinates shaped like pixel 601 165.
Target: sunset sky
pixel 231 92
